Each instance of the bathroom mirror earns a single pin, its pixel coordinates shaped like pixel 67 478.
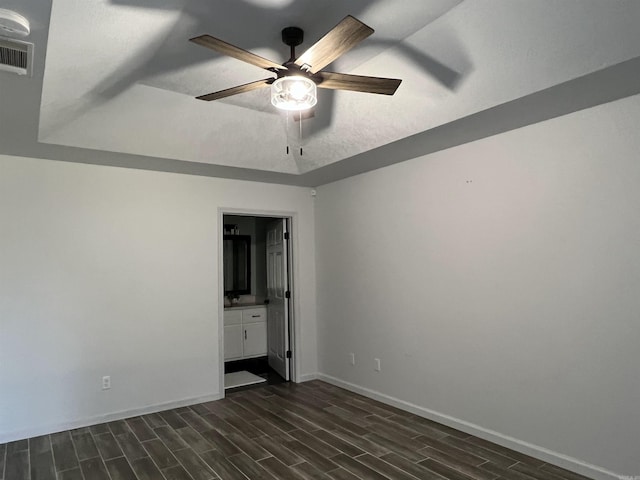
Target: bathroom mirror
pixel 237 264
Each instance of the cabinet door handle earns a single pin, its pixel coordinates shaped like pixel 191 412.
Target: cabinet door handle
pixel 255 316
pixel 245 334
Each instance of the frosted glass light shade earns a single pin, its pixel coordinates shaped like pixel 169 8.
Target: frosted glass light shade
pixel 294 93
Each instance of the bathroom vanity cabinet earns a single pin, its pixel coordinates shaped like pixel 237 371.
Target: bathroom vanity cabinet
pixel 245 332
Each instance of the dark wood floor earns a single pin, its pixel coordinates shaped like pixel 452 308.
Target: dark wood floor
pixel 288 431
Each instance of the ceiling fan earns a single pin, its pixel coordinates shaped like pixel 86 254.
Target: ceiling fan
pixel 294 86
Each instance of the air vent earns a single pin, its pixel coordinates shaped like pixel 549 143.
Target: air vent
pixel 16 56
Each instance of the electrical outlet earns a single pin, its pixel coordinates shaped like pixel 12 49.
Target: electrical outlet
pixel 352 358
pixel 377 360
pixel 106 382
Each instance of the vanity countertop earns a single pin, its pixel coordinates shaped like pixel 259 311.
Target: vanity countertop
pixel 240 306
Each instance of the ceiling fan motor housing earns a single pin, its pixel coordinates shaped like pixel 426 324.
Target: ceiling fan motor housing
pixel 292 36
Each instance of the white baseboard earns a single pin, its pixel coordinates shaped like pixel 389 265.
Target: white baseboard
pixel 544 454
pixel 307 377
pixel 108 417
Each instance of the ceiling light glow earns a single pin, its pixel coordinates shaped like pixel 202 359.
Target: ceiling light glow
pixel 294 92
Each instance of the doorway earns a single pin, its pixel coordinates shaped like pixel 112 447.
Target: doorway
pixel 257 293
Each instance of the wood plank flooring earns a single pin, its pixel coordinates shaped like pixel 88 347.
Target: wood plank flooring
pixel 289 431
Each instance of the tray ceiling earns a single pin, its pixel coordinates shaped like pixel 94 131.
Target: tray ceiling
pixel 120 75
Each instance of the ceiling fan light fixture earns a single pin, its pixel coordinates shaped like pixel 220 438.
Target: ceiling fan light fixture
pixel 294 92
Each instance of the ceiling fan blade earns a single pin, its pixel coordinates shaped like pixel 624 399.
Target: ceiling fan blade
pixel 247 87
pixel 225 48
pixel 339 40
pixel 358 83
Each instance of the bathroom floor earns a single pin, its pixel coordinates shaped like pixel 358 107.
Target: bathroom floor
pixel 257 366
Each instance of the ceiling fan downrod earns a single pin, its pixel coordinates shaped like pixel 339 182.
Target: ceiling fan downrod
pixel 292 36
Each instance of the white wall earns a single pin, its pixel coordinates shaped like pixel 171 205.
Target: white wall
pixel 498 282
pixel 110 271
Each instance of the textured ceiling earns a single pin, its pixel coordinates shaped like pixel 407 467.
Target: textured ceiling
pixel 120 76
pixel 136 69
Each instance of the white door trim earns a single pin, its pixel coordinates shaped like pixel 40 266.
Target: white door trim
pixel 294 306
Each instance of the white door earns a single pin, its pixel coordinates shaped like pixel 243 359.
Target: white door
pixel 278 306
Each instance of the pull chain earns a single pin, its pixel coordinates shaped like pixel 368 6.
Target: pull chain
pixel 300 122
pixel 287 123
pixel 286 128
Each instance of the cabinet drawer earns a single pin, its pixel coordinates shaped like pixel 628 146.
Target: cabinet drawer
pixel 251 315
pixel 232 317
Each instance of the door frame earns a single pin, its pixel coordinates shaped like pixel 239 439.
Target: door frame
pixel 293 273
